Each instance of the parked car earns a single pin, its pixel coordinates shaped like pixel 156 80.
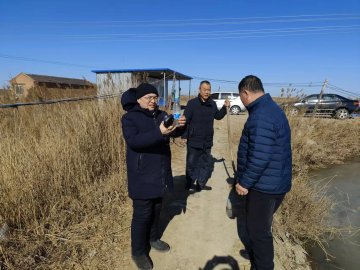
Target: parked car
pixel 236 106
pixel 330 105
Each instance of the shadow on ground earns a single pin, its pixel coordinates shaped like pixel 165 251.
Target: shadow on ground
pixel 174 203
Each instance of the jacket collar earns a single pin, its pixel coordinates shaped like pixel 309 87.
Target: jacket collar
pixel 147 112
pixel 259 102
pixel 206 102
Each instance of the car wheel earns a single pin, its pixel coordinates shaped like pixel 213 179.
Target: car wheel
pixel 235 110
pixel 293 111
pixel 342 113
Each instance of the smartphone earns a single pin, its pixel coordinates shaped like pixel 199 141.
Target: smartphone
pixel 168 120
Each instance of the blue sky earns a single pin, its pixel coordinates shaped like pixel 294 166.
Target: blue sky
pixel 297 41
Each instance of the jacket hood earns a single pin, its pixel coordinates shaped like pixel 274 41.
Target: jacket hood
pixel 128 99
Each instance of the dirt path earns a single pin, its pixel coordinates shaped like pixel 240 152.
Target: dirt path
pixel 196 226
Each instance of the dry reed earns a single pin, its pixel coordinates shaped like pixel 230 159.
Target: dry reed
pixel 62 186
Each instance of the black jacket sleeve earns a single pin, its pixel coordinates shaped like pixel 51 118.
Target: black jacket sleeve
pixel 220 113
pixel 139 140
pixel 188 114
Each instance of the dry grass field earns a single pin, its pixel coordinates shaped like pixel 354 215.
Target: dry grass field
pixel 63 186
pixel 63 183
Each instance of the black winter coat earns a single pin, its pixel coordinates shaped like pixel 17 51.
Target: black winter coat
pixel 148 154
pixel 200 117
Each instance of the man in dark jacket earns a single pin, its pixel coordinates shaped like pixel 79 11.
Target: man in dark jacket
pixel 200 113
pixel 264 168
pixel 148 160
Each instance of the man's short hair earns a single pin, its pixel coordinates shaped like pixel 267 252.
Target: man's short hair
pixel 252 84
pixel 204 82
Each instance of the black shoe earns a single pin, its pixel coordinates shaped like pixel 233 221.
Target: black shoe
pixel 143 262
pixel 190 188
pixel 160 246
pixel 206 188
pixel 200 188
pixel 243 253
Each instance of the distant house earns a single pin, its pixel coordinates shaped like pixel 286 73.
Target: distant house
pixel 119 80
pixel 24 81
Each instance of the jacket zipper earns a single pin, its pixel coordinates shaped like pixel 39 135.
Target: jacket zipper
pixel 139 161
pixel 162 162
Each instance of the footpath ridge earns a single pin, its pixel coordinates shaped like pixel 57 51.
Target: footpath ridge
pixel 197 227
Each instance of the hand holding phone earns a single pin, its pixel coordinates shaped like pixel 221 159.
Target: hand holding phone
pixel 168 120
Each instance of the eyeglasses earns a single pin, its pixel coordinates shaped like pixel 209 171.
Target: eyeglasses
pixel 151 98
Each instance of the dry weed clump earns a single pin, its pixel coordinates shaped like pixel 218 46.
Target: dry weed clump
pixel 62 186
pixel 304 213
pixel 318 142
pixel 303 216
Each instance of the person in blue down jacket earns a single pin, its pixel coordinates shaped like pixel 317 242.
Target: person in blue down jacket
pixel 149 173
pixel 200 113
pixel 264 168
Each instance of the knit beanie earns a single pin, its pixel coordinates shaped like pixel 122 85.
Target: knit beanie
pixel 144 89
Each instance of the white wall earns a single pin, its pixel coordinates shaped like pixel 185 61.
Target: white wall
pixel 113 83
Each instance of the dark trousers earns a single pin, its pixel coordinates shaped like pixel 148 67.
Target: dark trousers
pixel 259 217
pixel 144 225
pixel 241 223
pixel 199 166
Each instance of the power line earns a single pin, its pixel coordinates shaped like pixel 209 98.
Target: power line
pixel 278 84
pixel 343 91
pixel 238 36
pixel 228 32
pixel 28 59
pixel 47 102
pixel 271 84
pixel 219 23
pixel 212 21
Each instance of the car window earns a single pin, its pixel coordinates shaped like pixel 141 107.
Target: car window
pixel 235 95
pixel 215 96
pixel 225 95
pixel 311 99
pixel 328 97
pixel 339 98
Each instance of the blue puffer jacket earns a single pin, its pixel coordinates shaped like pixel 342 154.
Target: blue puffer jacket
pixel 148 155
pixel 264 155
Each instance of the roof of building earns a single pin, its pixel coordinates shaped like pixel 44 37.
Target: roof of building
pixel 157 73
pixel 62 80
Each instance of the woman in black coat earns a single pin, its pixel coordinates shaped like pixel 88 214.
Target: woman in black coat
pixel 148 160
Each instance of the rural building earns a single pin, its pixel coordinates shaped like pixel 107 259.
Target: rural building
pixel 24 81
pixel 119 80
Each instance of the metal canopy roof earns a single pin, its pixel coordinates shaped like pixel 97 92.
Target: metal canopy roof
pixel 157 73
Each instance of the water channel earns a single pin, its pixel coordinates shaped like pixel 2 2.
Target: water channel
pixel 344 188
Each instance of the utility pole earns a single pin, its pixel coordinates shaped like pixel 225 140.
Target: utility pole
pixel 320 96
pixel 165 92
pixel 189 89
